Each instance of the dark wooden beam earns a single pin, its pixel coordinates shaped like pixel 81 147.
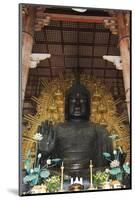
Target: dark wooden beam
pixel 61 67
pixel 80 29
pixel 73 43
pixel 93 39
pixel 62 43
pixel 41 75
pixel 73 18
pixel 78 61
pixel 118 89
pixel 37 83
pixel 106 62
pixel 48 52
pixel 75 56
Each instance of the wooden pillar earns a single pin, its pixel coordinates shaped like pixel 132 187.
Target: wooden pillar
pixel 125 56
pixel 28 19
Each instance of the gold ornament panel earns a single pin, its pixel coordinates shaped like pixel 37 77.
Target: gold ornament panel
pixel 50 106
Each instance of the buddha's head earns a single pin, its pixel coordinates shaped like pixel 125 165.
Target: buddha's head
pixel 77 103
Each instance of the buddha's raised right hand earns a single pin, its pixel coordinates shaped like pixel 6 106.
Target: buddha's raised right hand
pixel 47 130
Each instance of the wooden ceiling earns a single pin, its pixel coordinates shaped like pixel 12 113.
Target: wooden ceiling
pixel 75 45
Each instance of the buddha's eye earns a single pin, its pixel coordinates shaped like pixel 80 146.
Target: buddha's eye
pixel 81 100
pixel 73 100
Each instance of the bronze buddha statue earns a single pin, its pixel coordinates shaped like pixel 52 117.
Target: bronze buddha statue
pixel 77 140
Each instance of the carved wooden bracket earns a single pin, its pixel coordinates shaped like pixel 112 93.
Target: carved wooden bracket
pixel 41 19
pixel 112 25
pixel 35 58
pixel 25 10
pixel 116 60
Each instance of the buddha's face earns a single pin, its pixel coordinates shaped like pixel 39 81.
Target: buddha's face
pixel 78 107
